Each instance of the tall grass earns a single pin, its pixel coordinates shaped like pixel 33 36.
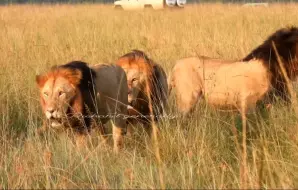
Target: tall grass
pixel 202 151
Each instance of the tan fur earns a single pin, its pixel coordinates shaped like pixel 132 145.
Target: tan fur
pixel 239 85
pixel 223 84
pixel 59 88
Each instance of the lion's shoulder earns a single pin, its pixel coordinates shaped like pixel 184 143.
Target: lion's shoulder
pixel 110 79
pixel 108 71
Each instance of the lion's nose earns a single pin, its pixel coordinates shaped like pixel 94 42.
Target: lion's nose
pixel 50 110
pixel 50 113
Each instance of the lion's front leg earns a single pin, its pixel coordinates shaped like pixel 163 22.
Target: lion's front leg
pixel 129 131
pixel 148 129
pixel 81 140
pixel 41 130
pixel 119 129
pixel 100 128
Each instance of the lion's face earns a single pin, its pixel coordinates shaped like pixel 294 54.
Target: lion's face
pixel 56 94
pixel 136 82
pixel 138 71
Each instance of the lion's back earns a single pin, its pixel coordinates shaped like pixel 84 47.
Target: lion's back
pixel 111 86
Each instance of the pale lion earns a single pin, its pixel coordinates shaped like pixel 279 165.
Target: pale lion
pixel 238 85
pixel 76 96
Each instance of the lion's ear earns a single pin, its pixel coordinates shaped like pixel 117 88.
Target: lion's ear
pixel 40 80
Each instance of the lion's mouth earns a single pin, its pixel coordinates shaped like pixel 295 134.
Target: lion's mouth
pixel 55 122
pixel 132 103
pixel 131 110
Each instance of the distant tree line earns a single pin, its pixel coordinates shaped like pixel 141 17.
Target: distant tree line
pixel 111 1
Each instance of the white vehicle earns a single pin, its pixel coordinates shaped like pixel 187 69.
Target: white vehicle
pixel 171 3
pixel 255 5
pixel 143 4
pixel 138 4
pixel 181 3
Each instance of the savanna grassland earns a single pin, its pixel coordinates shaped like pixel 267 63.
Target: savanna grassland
pixel 203 151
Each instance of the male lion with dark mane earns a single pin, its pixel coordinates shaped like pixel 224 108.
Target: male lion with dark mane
pixel 147 88
pixel 76 96
pixel 239 84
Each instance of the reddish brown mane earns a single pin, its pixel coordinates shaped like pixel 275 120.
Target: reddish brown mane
pixel 82 77
pixel 73 76
pixel 135 55
pixel 139 60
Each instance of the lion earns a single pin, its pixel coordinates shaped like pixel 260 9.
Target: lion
pixel 147 88
pixel 238 85
pixel 76 96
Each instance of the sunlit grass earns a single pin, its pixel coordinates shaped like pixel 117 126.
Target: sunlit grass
pixel 196 152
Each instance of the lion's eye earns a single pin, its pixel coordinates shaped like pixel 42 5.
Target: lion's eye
pixel 61 93
pixel 45 94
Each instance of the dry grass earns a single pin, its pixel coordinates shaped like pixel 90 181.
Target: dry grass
pixel 199 152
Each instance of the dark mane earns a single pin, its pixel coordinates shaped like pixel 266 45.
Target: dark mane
pixel 86 86
pixel 136 54
pixel 286 42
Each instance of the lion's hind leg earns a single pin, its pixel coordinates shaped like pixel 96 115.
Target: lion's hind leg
pixel 188 87
pixel 187 101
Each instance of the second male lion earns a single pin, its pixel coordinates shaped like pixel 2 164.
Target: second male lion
pixel 147 84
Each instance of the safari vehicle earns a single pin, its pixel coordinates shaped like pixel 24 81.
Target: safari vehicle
pixel 147 4
pixel 181 3
pixel 171 3
pixel 138 4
